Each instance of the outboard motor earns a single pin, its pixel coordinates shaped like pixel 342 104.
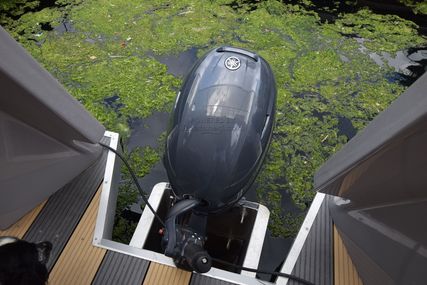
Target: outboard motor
pixel 219 134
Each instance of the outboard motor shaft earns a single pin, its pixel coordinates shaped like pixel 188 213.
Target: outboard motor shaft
pixel 220 130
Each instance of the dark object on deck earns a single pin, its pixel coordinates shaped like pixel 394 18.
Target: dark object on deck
pixel 220 132
pixel 23 262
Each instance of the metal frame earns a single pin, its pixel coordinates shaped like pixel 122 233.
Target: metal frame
pixel 253 253
pixel 256 240
pixel 144 224
pixel 107 203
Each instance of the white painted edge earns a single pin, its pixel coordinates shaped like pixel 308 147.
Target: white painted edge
pixel 108 176
pixel 296 248
pixel 146 220
pixel 256 242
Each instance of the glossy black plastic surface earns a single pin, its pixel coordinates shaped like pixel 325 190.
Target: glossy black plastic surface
pixel 221 127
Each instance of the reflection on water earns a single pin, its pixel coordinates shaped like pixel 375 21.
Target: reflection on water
pixel 345 127
pixel 408 65
pixel 178 64
pixel 113 102
pixel 65 26
pixel 145 132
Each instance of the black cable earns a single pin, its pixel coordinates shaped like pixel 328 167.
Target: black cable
pixel 135 180
pixel 281 274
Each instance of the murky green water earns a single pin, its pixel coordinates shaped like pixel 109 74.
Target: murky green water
pixel 124 61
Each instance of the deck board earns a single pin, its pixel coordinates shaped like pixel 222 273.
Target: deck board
pixel 64 209
pixel 345 273
pixel 198 279
pixel 119 268
pixel 159 274
pixel 22 225
pixel 79 261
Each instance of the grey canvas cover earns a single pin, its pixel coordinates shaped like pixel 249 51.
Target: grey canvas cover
pixel 46 136
pixel 381 178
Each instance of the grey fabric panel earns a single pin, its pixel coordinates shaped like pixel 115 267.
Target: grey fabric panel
pixel 34 166
pixel 34 96
pixel 62 212
pixel 197 279
pixel 45 133
pixel 315 262
pixel 369 271
pixel 118 268
pixel 396 122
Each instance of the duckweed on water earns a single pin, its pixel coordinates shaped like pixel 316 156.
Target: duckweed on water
pixel 418 6
pixel 379 30
pixel 323 71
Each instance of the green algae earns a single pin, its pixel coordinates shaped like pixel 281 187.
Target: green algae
pixel 142 85
pixel 92 72
pixel 13 9
pixel 322 74
pixel 388 33
pixel 159 26
pixel 145 157
pixel 419 7
pixel 29 26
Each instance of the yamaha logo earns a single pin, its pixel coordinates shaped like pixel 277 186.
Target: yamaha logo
pixel 232 63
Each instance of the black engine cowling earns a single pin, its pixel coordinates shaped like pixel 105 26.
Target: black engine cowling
pixel 221 127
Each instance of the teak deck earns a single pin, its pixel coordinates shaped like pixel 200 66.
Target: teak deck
pixel 344 272
pixel 67 219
